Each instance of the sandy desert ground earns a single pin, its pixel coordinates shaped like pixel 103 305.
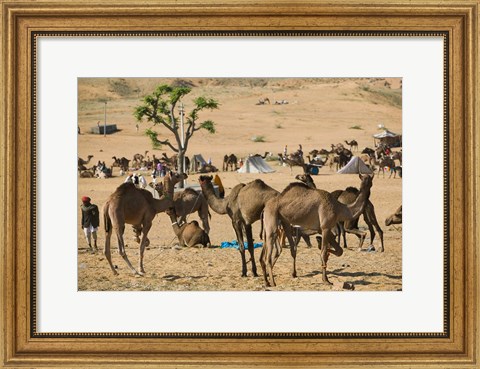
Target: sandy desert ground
pixel 320 112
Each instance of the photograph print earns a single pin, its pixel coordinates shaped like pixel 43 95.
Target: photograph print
pixel 239 184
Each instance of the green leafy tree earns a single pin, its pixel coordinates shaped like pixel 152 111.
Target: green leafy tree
pixel 160 108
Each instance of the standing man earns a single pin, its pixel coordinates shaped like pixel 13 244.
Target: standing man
pixel 90 221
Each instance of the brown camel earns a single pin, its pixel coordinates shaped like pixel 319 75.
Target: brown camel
pixel 244 206
pixel 135 206
pixel 292 160
pixel 171 162
pixel 187 202
pixel 353 145
pixel 351 226
pixel 311 209
pixel 395 218
pixel 230 161
pixel 188 234
pixel 383 164
pixel 122 163
pixel 397 155
pixel 263 156
pixel 81 163
pixel 139 158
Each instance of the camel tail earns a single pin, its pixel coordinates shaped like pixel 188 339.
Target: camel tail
pixel 106 219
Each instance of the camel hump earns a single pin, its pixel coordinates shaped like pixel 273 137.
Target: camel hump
pixel 353 190
pixel 190 191
pixel 295 185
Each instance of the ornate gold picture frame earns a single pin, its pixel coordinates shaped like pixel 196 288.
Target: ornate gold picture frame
pixel 23 346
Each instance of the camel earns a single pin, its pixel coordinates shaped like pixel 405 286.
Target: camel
pixel 244 206
pixel 81 163
pixel 188 234
pixel 316 161
pixel 263 101
pixel 135 206
pixel 311 209
pixel 171 162
pixel 230 161
pixel 292 160
pixel 353 145
pixel 139 158
pixel 348 197
pixel 122 163
pixel 186 202
pixel 262 156
pixel 383 163
pixel 368 151
pixel 87 173
pixel 397 155
pixel 395 218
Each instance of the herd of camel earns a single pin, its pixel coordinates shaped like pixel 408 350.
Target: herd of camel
pixel 299 211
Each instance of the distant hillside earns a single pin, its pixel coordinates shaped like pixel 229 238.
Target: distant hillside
pixel 96 89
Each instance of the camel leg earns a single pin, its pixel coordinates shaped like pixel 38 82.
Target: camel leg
pixel 293 247
pixel 324 254
pixel 373 220
pixel 237 226
pixel 145 242
pixel 263 255
pixel 251 250
pixel 306 239
pixel 204 218
pixel 342 233
pixel 107 252
pixel 360 234
pixel 121 247
pixel 272 256
pixel 328 240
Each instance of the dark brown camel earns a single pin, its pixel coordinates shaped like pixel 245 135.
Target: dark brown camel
pixel 351 226
pixel 230 161
pixel 353 145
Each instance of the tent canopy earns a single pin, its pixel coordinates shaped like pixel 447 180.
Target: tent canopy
pixel 196 162
pixel 389 138
pixel 385 133
pixel 355 166
pixel 255 164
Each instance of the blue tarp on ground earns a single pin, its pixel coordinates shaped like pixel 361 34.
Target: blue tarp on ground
pixel 234 245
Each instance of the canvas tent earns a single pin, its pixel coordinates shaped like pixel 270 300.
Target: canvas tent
pixel 255 164
pixel 355 166
pixel 196 162
pixel 388 138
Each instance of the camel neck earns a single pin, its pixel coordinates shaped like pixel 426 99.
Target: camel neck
pixel 218 205
pixel 357 207
pixel 175 226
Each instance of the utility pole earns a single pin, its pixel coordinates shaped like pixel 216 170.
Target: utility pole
pixel 105 120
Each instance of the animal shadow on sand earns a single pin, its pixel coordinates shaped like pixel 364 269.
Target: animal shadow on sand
pixel 173 277
pixel 341 273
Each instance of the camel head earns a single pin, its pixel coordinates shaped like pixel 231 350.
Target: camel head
pixel 205 180
pixel 367 181
pixel 304 178
pixel 176 177
pixel 395 218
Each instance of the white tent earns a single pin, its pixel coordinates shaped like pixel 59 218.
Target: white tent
pixel 355 166
pixel 255 164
